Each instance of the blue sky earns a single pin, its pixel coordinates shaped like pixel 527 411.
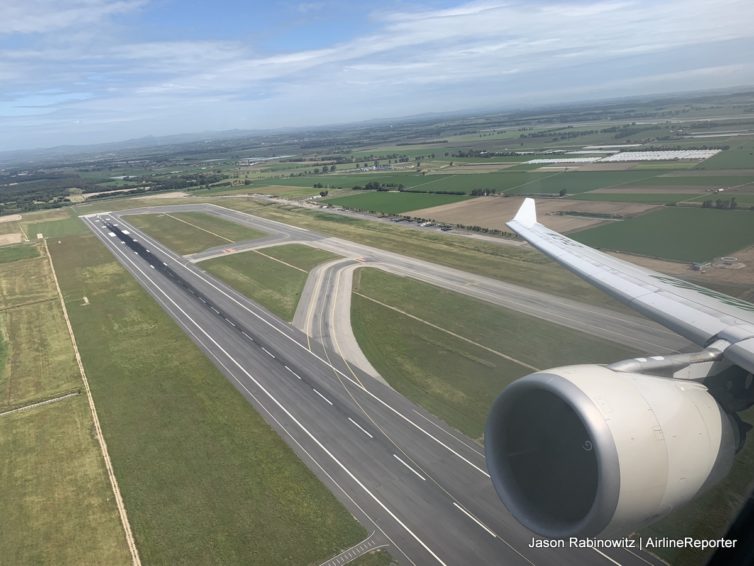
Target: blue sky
pixel 89 71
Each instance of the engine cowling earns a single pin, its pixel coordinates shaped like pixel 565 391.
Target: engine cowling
pixel 587 451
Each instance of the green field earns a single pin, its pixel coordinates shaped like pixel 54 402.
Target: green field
pixel 271 283
pixel 393 202
pixel 499 261
pixel 648 198
pixel 39 360
pixel 56 501
pixel 452 378
pixel 57 505
pixel 14 253
pixel 191 232
pixel 204 478
pixel 739 156
pixel 56 228
pixel 676 233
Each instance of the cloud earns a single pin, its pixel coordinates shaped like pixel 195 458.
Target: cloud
pixel 411 59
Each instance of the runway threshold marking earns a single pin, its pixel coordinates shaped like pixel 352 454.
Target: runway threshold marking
pixel 282 408
pixel 477 521
pixel 417 474
pixel 323 397
pixel 361 428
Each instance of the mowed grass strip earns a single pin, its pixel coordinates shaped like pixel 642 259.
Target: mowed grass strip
pixel 56 228
pixel 25 281
pixel 267 280
pixel 187 233
pixel 453 378
pixel 676 233
pixel 204 478
pixel 393 202
pixel 57 506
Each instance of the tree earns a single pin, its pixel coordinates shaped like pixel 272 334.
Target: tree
pixel 332 168
pixel 563 192
pixel 323 193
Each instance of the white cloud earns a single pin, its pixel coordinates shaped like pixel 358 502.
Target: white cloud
pixel 42 16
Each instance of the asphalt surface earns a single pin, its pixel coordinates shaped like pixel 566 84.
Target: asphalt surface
pixel 421 486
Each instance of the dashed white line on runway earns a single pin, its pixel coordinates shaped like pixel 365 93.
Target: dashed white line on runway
pixel 293 372
pixel 266 351
pixel 477 521
pixel 323 397
pixel 417 474
pixel 361 428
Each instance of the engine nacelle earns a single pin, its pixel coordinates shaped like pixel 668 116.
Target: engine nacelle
pixel 587 451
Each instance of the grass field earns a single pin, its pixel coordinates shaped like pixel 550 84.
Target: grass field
pixel 506 263
pixel 191 232
pixel 25 281
pixel 739 156
pixel 39 359
pixel 204 478
pixel 271 283
pixel 393 202
pixel 56 502
pixel 648 198
pixel 676 233
pixel 57 506
pixel 452 378
pixel 56 228
pixel 14 253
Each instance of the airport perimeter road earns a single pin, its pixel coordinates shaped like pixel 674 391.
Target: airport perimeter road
pixel 633 331
pixel 421 485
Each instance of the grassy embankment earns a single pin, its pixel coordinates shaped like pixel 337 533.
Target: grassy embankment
pixel 274 277
pixel 191 232
pixel 57 506
pixel 453 378
pixel 204 478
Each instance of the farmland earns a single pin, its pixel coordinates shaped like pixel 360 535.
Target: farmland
pixel 677 233
pixel 204 478
pixel 274 277
pixel 393 202
pixel 56 501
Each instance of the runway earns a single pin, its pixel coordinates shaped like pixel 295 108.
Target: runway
pixel 421 486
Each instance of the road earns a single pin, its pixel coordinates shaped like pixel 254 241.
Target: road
pixel 421 486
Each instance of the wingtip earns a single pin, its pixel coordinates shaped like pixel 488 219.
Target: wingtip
pixel 527 214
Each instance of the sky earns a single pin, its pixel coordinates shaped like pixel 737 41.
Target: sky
pixel 92 71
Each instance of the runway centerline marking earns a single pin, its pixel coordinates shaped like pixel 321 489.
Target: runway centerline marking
pixel 293 372
pixel 323 397
pixel 477 521
pixel 266 351
pixel 417 474
pixel 285 411
pixel 361 428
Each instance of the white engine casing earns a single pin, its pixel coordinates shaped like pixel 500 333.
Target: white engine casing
pixel 587 451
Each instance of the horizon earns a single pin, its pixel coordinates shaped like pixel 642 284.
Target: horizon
pixel 91 72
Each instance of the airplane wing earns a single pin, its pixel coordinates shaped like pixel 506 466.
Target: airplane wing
pixel 698 314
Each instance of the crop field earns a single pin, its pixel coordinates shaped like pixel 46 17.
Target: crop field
pixel 25 281
pixel 739 156
pixel 273 277
pixel 676 233
pixel 647 198
pixel 14 253
pixel 204 478
pixel 56 500
pixel 191 232
pixel 452 378
pixel 57 504
pixel 393 202
pixel 39 359
pixel 494 212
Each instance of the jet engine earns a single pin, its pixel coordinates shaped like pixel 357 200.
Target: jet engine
pixel 591 452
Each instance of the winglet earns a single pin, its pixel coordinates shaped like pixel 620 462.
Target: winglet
pixel 527 214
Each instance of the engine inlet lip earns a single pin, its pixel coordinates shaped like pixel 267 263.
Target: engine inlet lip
pixel 608 467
